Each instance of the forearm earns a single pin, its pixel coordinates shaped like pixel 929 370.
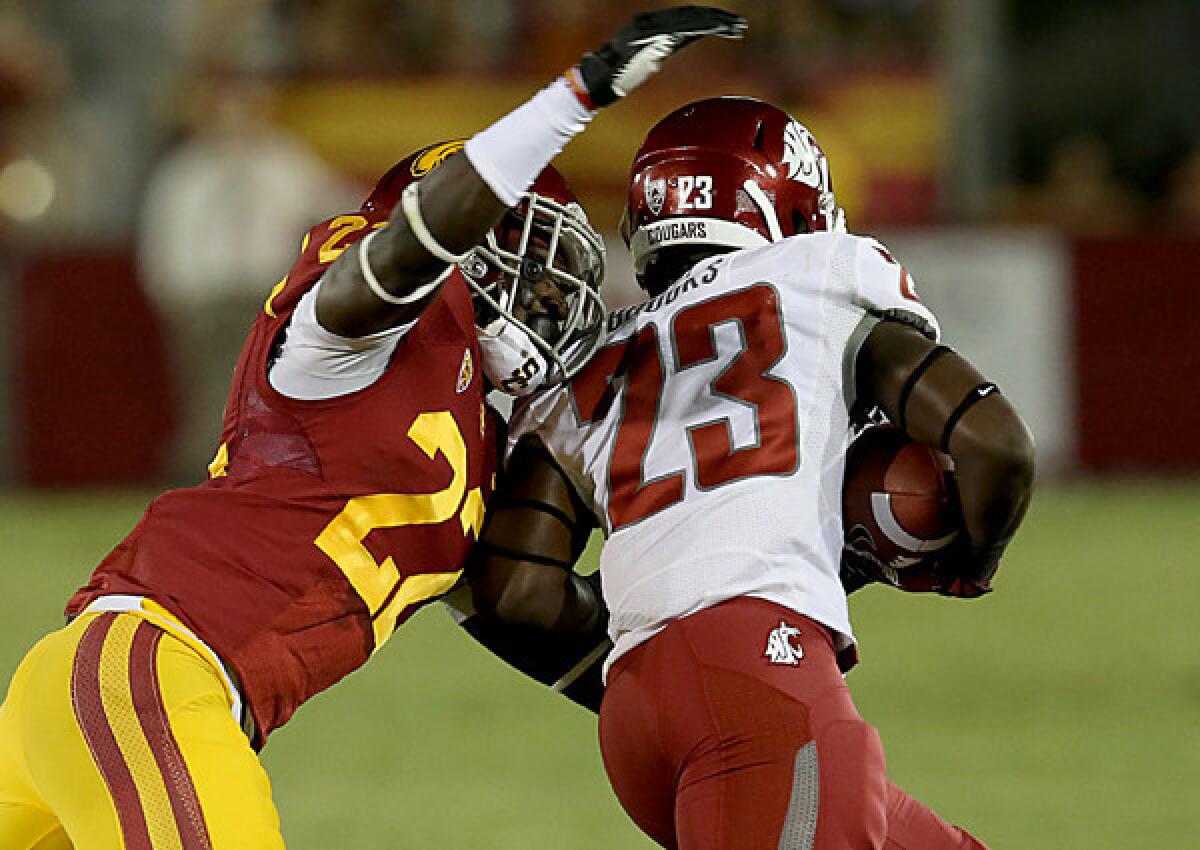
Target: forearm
pixel 569 664
pixel 456 206
pixel 994 468
pixel 389 277
pixel 935 396
pixel 524 594
pixel 994 494
pixel 393 273
pixel 943 402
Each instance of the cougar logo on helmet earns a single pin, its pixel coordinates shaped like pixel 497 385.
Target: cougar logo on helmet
pixel 800 154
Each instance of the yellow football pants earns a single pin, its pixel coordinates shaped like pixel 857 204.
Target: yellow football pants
pixel 118 735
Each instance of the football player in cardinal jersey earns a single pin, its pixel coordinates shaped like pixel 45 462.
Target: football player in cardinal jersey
pixel 707 437
pixel 355 462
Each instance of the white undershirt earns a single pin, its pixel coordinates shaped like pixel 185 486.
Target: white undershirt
pixel 316 364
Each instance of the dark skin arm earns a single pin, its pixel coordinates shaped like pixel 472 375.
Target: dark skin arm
pixel 544 592
pixel 458 209
pixel 991 447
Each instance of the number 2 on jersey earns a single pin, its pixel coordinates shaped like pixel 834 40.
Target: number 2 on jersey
pixel 744 381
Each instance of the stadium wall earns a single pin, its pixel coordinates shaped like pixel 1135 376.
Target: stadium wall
pixel 1097 341
pixel 1003 301
pixel 1137 353
pixel 92 397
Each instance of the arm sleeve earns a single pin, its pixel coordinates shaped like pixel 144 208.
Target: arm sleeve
pixel 316 364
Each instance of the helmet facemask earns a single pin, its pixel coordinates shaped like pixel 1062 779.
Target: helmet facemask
pixel 536 280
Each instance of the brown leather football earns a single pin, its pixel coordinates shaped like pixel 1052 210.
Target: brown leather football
pixel 898 500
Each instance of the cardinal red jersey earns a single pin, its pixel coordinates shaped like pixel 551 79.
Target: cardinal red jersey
pixel 325 523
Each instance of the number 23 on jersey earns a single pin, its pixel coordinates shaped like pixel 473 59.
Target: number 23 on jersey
pixel 638 363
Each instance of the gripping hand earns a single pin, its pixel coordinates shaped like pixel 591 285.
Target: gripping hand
pixel 968 575
pixel 962 571
pixel 636 51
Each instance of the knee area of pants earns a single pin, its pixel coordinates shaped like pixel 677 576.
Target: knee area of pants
pixel 853 738
pixel 853 789
pixel 852 761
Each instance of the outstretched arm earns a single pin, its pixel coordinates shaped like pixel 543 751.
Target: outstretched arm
pixel 942 401
pixel 392 274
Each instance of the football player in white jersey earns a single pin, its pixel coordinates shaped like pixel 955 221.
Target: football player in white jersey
pixel 707 439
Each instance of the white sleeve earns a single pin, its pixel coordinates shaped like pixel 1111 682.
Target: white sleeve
pixel 885 289
pixel 316 364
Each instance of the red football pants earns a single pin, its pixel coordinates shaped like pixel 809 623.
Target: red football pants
pixel 709 743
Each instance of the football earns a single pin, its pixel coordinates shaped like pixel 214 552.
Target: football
pixel 899 503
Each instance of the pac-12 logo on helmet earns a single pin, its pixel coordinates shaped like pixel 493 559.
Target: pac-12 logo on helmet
pixel 656 194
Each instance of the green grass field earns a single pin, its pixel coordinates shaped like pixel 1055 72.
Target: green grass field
pixel 1060 712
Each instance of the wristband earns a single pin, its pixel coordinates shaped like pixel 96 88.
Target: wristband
pixel 972 398
pixel 911 382
pixel 574 78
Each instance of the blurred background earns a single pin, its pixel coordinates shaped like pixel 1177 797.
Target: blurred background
pixel 1037 168
pixel 1035 165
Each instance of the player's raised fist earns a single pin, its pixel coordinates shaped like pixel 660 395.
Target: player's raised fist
pixel 639 47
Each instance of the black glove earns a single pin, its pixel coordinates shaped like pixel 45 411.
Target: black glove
pixel 857 572
pixel 636 51
pixel 967 571
pixel 962 570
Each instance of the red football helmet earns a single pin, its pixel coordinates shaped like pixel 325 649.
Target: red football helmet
pixel 545 237
pixel 728 172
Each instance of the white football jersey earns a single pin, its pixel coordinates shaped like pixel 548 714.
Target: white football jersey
pixel 709 432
